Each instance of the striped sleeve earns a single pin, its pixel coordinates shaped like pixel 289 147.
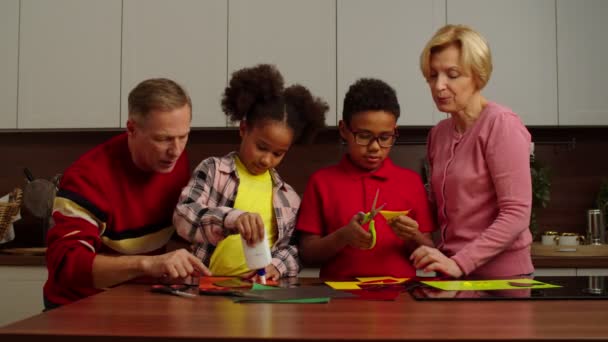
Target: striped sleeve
pixel 75 238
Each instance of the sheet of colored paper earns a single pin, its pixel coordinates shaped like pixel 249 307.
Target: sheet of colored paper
pixel 382 280
pixel 259 287
pixel 384 294
pixel 343 285
pixel 211 283
pixel 485 285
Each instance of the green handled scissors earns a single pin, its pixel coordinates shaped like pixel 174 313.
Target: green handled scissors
pixel 369 217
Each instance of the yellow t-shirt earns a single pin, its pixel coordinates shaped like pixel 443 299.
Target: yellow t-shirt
pixel 253 195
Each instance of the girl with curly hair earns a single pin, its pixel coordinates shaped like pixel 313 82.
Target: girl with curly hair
pixel 241 195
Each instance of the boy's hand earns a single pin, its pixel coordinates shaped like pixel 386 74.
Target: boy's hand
pixel 251 227
pixel 354 235
pixel 405 228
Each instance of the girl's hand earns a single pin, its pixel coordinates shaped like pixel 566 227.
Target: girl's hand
pixel 354 235
pixel 251 227
pixel 405 227
pixel 272 273
pixel 431 259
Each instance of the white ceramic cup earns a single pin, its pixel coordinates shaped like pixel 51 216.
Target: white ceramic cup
pixel 549 240
pixel 569 240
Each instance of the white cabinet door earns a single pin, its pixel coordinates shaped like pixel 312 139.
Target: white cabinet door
pixel 21 294
pixel 582 52
pixel 69 64
pixel 383 39
pixel 184 40
pixel 299 37
pixel 9 50
pixel 521 34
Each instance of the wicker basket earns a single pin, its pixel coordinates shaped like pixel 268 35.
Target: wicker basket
pixel 8 211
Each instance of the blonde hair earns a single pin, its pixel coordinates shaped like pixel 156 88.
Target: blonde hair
pixel 156 94
pixel 475 53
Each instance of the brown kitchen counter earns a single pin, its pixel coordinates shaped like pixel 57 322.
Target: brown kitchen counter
pixel 539 261
pixel 585 256
pixel 22 256
pixel 571 261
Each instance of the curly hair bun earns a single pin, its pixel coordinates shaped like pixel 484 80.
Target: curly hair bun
pixel 311 112
pixel 260 84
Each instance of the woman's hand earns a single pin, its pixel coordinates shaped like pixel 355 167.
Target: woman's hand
pixel 431 259
pixel 354 235
pixel 251 227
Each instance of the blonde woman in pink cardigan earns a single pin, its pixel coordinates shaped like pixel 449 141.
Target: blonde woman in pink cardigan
pixel 479 161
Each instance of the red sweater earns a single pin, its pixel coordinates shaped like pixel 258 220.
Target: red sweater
pixel 106 204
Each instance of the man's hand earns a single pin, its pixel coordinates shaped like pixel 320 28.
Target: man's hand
pixel 354 235
pixel 251 227
pixel 176 264
pixel 431 259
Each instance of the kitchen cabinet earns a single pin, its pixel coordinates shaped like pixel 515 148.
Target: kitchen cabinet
pixel 582 47
pixel 383 39
pixel 9 52
pixel 299 37
pixel 69 64
pixel 522 37
pixel 184 40
pixel 21 294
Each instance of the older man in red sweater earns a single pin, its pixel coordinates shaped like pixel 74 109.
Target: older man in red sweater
pixel 114 205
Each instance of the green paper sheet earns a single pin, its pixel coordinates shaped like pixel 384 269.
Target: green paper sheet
pixel 257 287
pixel 484 285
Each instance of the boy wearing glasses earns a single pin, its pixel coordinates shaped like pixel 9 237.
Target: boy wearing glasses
pixel 331 214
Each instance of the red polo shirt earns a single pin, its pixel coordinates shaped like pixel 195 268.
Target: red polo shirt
pixel 336 193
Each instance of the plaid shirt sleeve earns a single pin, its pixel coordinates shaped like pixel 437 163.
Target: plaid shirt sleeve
pixel 204 214
pixel 285 251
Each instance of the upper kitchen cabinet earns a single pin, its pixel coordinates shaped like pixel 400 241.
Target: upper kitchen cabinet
pixel 582 52
pixel 184 40
pixel 69 64
pixel 383 39
pixel 299 37
pixel 521 35
pixel 9 52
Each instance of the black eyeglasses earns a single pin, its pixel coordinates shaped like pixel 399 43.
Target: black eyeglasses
pixel 364 138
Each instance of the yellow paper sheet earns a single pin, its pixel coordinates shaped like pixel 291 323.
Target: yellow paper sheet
pixel 484 285
pixel 382 279
pixel 343 285
pixel 389 215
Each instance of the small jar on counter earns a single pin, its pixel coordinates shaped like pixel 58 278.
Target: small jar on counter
pixel 550 238
pixel 570 239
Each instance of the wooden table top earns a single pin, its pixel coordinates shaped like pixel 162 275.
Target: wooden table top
pixel 133 313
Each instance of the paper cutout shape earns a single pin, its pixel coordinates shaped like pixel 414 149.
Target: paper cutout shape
pixel 486 285
pixel 389 215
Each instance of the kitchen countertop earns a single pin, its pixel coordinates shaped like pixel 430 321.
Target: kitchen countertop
pixel 582 256
pixel 554 260
pixel 22 256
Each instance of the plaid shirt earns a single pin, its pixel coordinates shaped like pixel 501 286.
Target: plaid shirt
pixel 205 213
